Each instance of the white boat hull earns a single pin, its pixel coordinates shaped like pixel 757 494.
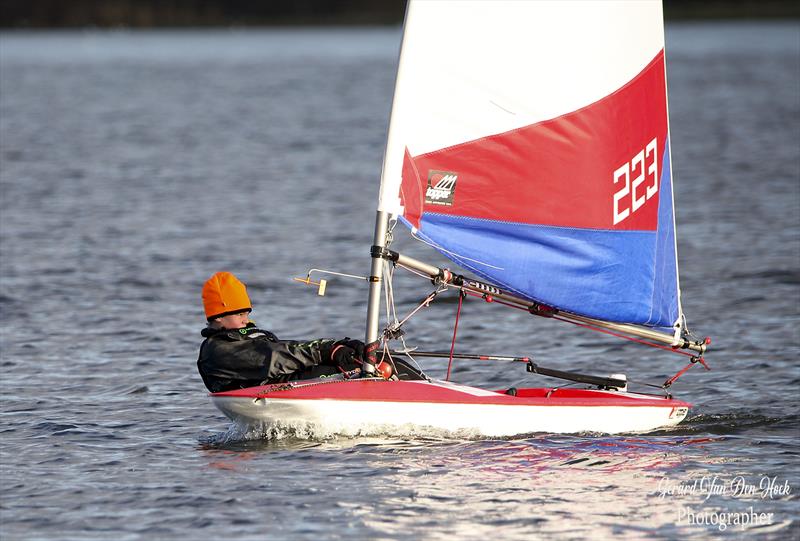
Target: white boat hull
pixel 604 411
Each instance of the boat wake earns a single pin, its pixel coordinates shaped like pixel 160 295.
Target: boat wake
pixel 732 423
pixel 704 427
pixel 303 431
pixel 312 433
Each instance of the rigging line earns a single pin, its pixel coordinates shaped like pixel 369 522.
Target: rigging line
pixel 407 354
pixel 388 275
pixel 442 286
pixel 455 330
pixel 618 335
pixel 386 354
pixel 688 332
pixel 414 271
pixel 683 370
pixel 554 389
pixel 663 389
pixel 391 294
pixel 454 254
pixel 590 327
pixel 425 303
pixel 646 384
pixel 386 296
pixel 392 322
pixel 388 293
pixel 390 231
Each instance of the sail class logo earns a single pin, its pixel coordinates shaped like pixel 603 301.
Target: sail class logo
pixel 441 187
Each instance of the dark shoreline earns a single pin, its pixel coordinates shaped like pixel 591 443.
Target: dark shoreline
pixel 238 13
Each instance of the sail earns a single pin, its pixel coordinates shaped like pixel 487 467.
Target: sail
pixel 529 143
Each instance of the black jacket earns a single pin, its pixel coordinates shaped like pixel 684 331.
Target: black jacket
pixel 235 359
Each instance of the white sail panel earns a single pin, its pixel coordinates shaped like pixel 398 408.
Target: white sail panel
pixel 469 69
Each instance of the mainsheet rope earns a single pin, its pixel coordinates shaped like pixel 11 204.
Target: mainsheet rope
pixel 455 331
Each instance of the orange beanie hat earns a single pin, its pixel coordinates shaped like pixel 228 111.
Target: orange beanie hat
pixel 224 294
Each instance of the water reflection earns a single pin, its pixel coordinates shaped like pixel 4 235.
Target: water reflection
pixel 559 486
pixel 595 486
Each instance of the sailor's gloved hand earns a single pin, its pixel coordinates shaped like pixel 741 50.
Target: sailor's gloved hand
pixel 347 354
pixel 356 345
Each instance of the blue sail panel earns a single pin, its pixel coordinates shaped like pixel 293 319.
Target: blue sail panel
pixel 615 275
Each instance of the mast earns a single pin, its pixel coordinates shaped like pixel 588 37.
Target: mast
pixel 388 203
pixel 375 282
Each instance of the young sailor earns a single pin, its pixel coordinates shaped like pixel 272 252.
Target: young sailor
pixel 236 354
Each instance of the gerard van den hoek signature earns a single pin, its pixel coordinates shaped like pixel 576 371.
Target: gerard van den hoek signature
pixel 737 487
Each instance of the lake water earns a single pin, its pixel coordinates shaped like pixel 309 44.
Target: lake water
pixel 133 165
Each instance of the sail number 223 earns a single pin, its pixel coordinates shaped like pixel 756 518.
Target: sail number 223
pixel 632 195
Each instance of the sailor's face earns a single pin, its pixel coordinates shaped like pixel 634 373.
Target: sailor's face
pixel 234 321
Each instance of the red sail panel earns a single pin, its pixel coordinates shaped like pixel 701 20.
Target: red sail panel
pixel 597 167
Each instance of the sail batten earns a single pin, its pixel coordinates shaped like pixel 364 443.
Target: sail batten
pixel 542 149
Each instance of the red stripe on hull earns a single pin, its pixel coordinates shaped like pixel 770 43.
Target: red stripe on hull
pixel 547 173
pixel 370 390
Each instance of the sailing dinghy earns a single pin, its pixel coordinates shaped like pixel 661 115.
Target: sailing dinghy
pixel 528 143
